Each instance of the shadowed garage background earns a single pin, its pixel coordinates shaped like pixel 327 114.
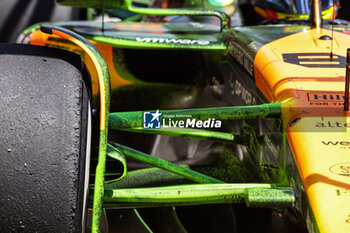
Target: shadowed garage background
pixel 16 15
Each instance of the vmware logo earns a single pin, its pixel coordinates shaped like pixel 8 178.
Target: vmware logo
pixel 151 120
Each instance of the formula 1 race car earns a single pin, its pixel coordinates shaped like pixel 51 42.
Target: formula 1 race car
pixel 178 116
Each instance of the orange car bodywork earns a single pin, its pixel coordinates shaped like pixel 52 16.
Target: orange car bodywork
pixel 318 129
pixel 312 93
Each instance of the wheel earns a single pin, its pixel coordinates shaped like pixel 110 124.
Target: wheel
pixel 44 140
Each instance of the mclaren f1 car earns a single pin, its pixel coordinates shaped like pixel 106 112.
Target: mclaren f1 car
pixel 178 116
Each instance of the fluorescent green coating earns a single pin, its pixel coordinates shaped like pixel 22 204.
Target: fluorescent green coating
pixel 269 197
pixel 128 43
pixel 198 194
pixel 192 133
pixel 163 164
pixel 99 184
pixel 109 4
pixel 117 155
pixel 224 19
pixel 121 120
pixel 101 166
pixel 155 177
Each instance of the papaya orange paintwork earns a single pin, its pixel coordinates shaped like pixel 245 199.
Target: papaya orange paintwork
pixel 318 129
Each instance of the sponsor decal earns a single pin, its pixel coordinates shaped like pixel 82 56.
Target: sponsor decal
pixel 325 99
pixel 342 169
pixel 343 192
pixel 315 60
pixel 342 144
pixel 173 41
pixel 157 120
pixel 331 124
pixel 242 92
pixel 241 58
pixel 151 120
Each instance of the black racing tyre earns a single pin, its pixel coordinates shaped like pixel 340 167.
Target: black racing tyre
pixel 44 140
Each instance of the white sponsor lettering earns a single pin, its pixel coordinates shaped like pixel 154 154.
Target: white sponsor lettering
pixel 192 123
pixel 172 41
pixel 242 92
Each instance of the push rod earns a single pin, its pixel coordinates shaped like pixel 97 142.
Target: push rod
pixel 253 194
pixel 163 164
pixel 193 133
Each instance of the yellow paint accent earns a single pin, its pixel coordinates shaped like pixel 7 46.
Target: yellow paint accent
pixel 98 69
pixel 317 10
pixel 326 14
pixel 329 13
pixel 320 141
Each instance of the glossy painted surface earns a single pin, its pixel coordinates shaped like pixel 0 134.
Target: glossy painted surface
pixel 312 87
pixel 288 64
